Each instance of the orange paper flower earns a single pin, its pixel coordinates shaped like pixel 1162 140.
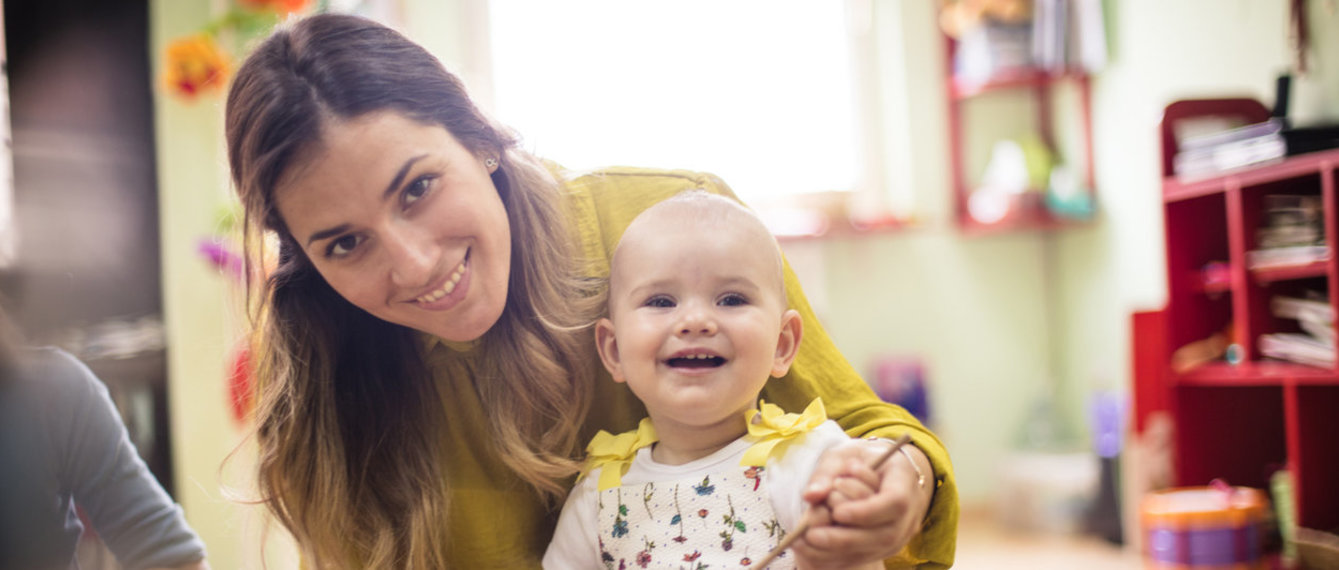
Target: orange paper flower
pixel 284 7
pixel 195 65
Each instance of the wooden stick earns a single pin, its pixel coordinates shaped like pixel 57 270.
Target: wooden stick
pixel 804 521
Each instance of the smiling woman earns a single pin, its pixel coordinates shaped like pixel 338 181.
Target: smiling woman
pixel 348 394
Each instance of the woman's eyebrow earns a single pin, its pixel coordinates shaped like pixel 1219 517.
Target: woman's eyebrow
pixel 390 189
pixel 399 176
pixel 327 233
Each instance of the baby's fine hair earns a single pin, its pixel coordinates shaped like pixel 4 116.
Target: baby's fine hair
pixel 711 209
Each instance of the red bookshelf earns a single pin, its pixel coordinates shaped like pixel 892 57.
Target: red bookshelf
pixel 1241 421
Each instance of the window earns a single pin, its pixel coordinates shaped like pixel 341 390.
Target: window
pixel 759 92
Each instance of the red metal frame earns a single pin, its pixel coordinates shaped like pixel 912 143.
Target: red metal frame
pixel 1149 341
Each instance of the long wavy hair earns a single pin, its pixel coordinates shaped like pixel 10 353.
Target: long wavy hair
pixel 348 420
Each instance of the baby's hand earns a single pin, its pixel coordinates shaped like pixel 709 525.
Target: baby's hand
pixel 860 516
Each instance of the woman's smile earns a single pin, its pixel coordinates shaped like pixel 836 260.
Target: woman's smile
pixel 441 297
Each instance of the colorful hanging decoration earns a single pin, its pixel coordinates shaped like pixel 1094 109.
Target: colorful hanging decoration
pixel 221 251
pixel 241 383
pixel 199 64
pixel 194 65
pixel 282 7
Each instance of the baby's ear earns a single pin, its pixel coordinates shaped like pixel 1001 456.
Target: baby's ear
pixel 607 345
pixel 787 343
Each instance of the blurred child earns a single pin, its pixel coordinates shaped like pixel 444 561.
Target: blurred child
pixel 62 443
pixel 697 325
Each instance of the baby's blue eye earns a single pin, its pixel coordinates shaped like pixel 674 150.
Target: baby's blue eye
pixel 659 301
pixel 733 300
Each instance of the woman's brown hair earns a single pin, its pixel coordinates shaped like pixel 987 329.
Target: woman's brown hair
pixel 348 419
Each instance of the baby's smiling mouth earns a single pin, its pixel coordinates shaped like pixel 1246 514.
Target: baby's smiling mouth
pixel 696 361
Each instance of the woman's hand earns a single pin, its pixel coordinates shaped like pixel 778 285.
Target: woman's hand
pixel 859 515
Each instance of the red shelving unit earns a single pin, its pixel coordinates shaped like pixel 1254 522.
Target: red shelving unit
pixel 1027 211
pixel 1243 421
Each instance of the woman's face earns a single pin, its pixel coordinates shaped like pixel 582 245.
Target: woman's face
pixel 404 222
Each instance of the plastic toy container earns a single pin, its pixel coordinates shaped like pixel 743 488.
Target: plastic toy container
pixel 1203 528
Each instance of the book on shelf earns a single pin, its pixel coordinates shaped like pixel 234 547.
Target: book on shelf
pixel 1299 348
pixel 1068 35
pixel 1275 257
pixel 1290 236
pixel 1323 332
pixel 1218 138
pixel 1303 310
pixel 1292 233
pixel 991 51
pixel 1315 344
pixel 1049 30
pixel 1291 220
pixel 1214 153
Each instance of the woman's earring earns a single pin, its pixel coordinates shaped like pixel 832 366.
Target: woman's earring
pixel 491 163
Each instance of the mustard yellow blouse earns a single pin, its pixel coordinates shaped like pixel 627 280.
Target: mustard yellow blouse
pixel 496 521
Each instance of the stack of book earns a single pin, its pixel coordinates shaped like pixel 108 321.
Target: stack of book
pixel 1215 153
pixel 1292 233
pixel 1315 344
pixel 1068 35
pixel 992 51
pixel 1061 37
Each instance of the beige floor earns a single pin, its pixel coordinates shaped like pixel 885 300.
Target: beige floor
pixel 983 544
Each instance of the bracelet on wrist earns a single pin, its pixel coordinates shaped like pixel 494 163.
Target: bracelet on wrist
pixel 920 475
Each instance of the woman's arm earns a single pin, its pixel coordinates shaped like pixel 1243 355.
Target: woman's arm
pixel 892 519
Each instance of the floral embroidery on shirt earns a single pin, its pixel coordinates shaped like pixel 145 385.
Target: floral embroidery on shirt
pixel 677 520
pixel 706 488
pixel 647 492
pixel 732 525
pixel 620 524
pixel 755 473
pixel 606 557
pixel 736 522
pixel 644 557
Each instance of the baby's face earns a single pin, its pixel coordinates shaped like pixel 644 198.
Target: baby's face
pixel 697 313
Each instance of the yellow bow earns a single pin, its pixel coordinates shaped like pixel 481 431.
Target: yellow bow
pixel 771 426
pixel 613 453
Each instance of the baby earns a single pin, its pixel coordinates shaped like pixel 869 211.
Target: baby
pixel 698 324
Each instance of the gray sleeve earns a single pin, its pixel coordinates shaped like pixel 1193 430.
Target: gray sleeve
pixel 136 518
